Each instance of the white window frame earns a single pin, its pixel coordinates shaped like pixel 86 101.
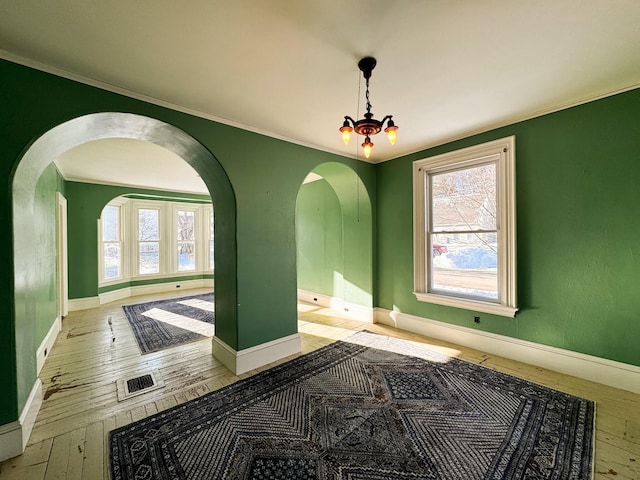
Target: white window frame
pixel 168 239
pixel 160 207
pixel 123 255
pixel 195 209
pixel 503 152
pixel 208 236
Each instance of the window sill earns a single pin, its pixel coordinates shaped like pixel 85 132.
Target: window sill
pixel 475 305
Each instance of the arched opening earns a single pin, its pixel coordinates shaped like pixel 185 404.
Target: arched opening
pixel 334 241
pixel 35 274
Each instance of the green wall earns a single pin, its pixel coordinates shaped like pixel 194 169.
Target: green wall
pixel 335 228
pixel 85 202
pixel 578 231
pixel 264 176
pixel 319 239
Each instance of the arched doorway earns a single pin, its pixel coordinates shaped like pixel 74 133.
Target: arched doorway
pixel 334 237
pixel 34 275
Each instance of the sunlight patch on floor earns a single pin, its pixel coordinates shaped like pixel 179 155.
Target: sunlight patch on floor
pixel 325 331
pixel 198 303
pixel 344 326
pixel 203 328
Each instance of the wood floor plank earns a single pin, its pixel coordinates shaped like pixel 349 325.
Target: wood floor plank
pixel 30 472
pixel 32 464
pixel 93 464
pixel 76 454
pixel 108 425
pixel 59 459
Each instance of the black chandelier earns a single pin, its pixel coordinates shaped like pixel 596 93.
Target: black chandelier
pixel 368 125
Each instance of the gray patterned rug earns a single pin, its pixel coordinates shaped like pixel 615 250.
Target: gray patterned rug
pixel 167 323
pixel 368 408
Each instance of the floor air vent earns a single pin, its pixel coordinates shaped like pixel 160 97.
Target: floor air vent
pixel 129 387
pixel 140 383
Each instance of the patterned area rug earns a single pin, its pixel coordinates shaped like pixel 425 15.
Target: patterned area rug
pixel 168 323
pixel 368 408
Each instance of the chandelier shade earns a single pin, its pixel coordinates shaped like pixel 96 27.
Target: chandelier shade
pixel 368 125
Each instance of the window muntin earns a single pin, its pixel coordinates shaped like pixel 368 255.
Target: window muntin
pixel 464 228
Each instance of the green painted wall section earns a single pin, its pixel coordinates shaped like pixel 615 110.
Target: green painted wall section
pixel 85 202
pixel 37 309
pixel 578 231
pixel 319 239
pixel 46 305
pixel 265 175
pixel 357 273
pixel 335 225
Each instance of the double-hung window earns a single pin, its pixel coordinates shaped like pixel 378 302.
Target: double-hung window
pixel 186 239
pixel 464 228
pixel 111 239
pixel 148 241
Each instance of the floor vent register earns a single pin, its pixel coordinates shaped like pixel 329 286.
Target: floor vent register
pixel 132 386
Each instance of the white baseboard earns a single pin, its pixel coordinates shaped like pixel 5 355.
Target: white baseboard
pixel 14 436
pixel 588 367
pixel 357 312
pixel 76 304
pixel 243 361
pixel 10 440
pixel 126 292
pixel 47 344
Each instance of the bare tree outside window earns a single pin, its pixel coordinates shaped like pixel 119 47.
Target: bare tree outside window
pixel 463 219
pixel 148 241
pixel 186 240
pixel 111 247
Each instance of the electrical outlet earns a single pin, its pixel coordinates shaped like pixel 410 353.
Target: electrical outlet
pixel 476 319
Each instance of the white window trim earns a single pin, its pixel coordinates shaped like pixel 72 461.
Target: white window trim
pixel 120 203
pixel 168 240
pixel 504 151
pixel 207 213
pixel 135 249
pixel 196 209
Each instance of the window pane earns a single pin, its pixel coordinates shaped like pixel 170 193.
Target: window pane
pixel 465 264
pixel 211 263
pixel 111 259
pixel 186 256
pixel 148 225
pixel 464 200
pixel 110 217
pixel 149 257
pixel 186 226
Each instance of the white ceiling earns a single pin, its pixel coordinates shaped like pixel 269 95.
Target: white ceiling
pixel 288 68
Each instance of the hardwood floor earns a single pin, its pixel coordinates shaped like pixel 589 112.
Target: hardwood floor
pixel 96 348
